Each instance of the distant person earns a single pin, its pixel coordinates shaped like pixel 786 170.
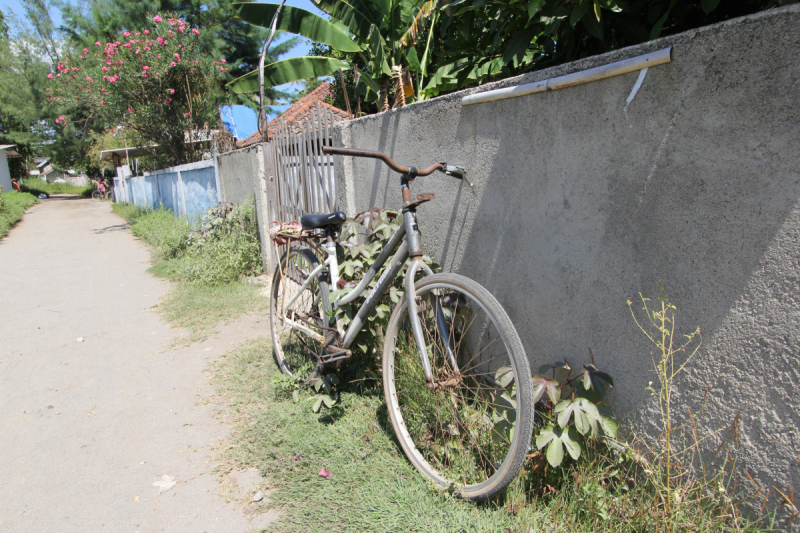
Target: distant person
pixel 15 185
pixel 101 186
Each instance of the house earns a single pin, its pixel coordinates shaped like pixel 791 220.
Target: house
pixel 5 174
pixel 296 115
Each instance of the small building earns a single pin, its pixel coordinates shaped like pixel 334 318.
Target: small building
pixel 5 174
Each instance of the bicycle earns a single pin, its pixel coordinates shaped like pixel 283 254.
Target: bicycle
pixel 455 374
pixel 98 195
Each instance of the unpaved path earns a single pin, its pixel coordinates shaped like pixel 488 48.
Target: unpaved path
pixel 86 428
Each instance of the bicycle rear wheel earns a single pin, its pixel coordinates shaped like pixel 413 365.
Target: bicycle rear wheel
pixel 470 428
pixel 295 351
pixel 97 195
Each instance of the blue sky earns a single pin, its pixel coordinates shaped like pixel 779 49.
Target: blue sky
pixel 302 49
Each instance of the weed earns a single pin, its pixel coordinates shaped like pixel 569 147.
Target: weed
pixel 12 205
pixel 207 266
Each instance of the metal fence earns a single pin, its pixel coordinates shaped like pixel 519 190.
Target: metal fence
pixel 188 190
pixel 302 179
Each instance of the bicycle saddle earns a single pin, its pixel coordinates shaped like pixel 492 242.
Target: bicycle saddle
pixel 323 221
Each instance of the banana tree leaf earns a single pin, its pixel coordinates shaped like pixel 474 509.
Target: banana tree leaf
pixel 367 87
pixel 377 48
pixel 353 13
pixel 296 20
pixel 288 70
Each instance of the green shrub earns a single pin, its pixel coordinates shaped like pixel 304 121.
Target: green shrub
pixel 225 248
pixel 164 231
pixel 12 205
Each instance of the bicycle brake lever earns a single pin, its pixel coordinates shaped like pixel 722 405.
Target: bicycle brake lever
pixel 456 172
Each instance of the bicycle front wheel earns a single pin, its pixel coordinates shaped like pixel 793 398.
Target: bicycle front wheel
pixel 97 195
pixel 295 350
pixel 470 426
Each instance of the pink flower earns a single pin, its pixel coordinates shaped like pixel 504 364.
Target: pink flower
pixel 80 57
pixel 172 64
pixel 171 22
pixel 137 51
pixel 85 50
pixel 104 69
pixel 145 74
pixel 130 110
pixel 119 62
pixel 195 32
pixel 169 100
pixel 146 32
pixel 127 34
pixel 88 78
pixel 177 56
pixel 105 77
pixel 74 69
pixel 102 102
pixel 102 90
pixel 98 43
pixel 157 19
pixel 58 75
pixel 147 48
pixel 113 79
pixel 50 76
pixel 180 29
pixel 223 61
pixel 160 40
pixel 172 91
pixel 145 67
pixel 159 57
pixel 87 90
pixel 186 114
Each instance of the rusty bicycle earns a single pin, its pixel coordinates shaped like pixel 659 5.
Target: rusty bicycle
pixel 455 374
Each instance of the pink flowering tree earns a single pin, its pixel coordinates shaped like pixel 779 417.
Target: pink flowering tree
pixel 155 83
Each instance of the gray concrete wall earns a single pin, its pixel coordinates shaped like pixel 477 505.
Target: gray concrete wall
pixel 575 209
pixel 242 175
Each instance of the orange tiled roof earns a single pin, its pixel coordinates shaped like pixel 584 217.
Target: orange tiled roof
pixel 296 115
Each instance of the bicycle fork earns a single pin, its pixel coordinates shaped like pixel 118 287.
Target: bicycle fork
pixel 417 264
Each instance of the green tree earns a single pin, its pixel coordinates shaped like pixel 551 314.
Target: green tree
pixel 222 34
pixel 157 82
pixel 476 41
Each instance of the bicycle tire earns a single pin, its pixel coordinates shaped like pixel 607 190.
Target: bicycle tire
pixel 97 195
pixel 481 460
pixel 294 351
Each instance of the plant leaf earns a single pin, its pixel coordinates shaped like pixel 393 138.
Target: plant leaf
pixel 542 384
pixel 545 368
pixel 709 5
pixel 288 70
pixel 296 20
pixel 504 375
pixel 595 380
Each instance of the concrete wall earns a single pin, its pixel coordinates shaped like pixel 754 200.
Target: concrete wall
pixel 188 190
pixel 242 175
pixel 576 208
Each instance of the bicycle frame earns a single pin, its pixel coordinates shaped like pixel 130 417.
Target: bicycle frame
pixel 406 242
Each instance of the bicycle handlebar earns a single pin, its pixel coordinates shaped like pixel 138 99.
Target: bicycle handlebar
pixel 385 158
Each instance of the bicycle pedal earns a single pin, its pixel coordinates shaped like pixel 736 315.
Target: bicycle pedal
pixel 334 354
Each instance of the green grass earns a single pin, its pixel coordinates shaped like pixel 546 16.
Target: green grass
pixel 12 206
pixel 373 487
pixel 36 187
pixel 208 271
pixel 199 308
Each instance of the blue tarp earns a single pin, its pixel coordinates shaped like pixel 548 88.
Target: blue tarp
pixel 240 120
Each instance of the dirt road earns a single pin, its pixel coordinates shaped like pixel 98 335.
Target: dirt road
pixel 87 427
